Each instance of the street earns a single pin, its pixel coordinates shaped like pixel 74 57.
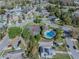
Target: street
pixel 4 43
pixel 73 51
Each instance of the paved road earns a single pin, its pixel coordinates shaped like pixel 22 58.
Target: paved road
pixel 73 51
pixel 4 43
pixel 69 42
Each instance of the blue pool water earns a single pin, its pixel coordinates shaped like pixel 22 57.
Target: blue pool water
pixel 49 34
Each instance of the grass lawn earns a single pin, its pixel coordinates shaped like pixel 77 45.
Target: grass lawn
pixel 60 40
pixel 62 56
pixel 62 48
pixel 14 31
pixel 21 46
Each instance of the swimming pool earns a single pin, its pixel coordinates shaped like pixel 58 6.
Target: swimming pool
pixel 49 34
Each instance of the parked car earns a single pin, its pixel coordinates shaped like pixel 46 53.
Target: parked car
pixel 67 45
pixel 74 47
pixel 67 34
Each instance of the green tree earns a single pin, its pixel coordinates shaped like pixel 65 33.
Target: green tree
pixel 54 10
pixel 57 11
pixel 51 1
pixel 68 20
pixel 54 1
pixel 26 34
pixel 38 19
pixel 50 8
pixel 65 19
pixel 1 35
pixel 37 38
pixel 59 33
pixel 71 10
pixel 2 11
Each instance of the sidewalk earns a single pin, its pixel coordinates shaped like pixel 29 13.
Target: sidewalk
pixel 62 52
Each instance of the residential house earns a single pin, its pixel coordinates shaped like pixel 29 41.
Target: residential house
pixel 76 2
pixel 65 2
pixel 52 19
pixel 39 1
pixel 46 50
pixel 35 29
pixel 18 54
pixel 75 33
pixel 75 17
pixel 2 3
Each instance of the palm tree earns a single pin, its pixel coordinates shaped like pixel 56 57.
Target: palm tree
pixel 67 19
pixel 32 43
pixel 19 20
pixel 32 47
pixel 8 16
pixel 23 16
